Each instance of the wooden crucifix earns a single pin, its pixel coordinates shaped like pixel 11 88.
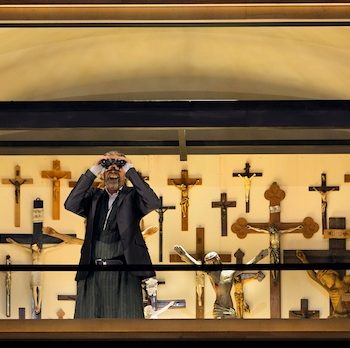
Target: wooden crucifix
pixel 55 175
pixel 247 178
pixel 34 243
pixel 17 182
pixel 324 190
pixel 275 228
pixel 184 184
pixel 161 211
pixel 336 253
pixel 304 312
pixel 223 204
pixel 199 255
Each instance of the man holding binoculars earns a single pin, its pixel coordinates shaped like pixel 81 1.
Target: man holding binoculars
pixel 112 237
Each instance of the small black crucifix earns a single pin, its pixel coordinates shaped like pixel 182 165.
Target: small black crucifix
pixel 324 190
pixel 275 229
pixel 304 312
pixel 336 253
pixel 36 240
pixel 247 177
pixel 223 204
pixel 17 182
pixel 161 212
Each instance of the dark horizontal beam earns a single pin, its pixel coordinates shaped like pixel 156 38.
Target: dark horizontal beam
pixel 98 114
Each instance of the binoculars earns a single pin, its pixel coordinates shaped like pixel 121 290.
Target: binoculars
pixel 110 161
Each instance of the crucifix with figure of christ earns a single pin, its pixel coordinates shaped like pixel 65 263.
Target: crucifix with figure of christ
pixel 161 211
pixel 275 228
pixel 17 182
pixel 336 253
pixel 199 255
pixel 184 184
pixel 223 204
pixel 247 178
pixel 323 191
pixel 241 277
pixel 34 243
pixel 55 175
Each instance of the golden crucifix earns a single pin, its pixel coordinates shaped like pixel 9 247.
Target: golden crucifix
pixel 55 175
pixel 17 181
pixel 184 184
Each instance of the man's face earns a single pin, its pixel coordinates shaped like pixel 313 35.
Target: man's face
pixel 114 178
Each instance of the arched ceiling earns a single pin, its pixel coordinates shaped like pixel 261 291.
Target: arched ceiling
pixel 243 63
pixel 220 51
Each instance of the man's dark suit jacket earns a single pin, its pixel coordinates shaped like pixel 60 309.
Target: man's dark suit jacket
pixel 132 205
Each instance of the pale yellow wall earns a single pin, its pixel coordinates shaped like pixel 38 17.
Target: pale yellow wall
pixel 294 174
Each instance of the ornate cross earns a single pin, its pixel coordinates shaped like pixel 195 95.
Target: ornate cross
pixel 304 312
pixel 223 204
pixel 247 178
pixel 199 255
pixel 275 228
pixel 161 212
pixel 184 184
pixel 55 175
pixel 17 182
pixel 324 190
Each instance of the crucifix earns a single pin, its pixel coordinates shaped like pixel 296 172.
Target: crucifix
pixel 199 255
pixel 275 228
pixel 336 253
pixel 240 277
pixel 184 184
pixel 55 175
pixel 324 190
pixel 304 312
pixel 161 212
pixel 247 178
pixel 223 204
pixel 35 244
pixel 17 182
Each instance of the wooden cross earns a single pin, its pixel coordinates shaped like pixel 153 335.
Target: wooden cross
pixel 161 212
pixel 275 228
pixel 336 252
pixel 36 237
pixel 247 177
pixel 324 190
pixel 55 175
pixel 199 255
pixel 17 181
pixel 223 204
pixel 184 184
pixel 304 312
